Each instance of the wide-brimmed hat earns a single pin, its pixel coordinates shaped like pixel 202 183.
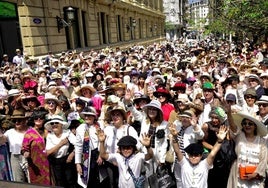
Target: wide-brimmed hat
pixel 56 119
pixel 186 113
pixel 183 98
pixel 113 99
pixel 89 110
pixel 179 86
pixel 142 97
pixel 127 141
pixel 162 91
pixel 119 85
pixel 86 86
pixel 205 75
pixel 18 114
pixel 13 92
pixel 263 100
pixel 55 75
pixel 34 98
pixel 121 109
pixel 153 103
pixel 49 96
pixel 238 117
pixel 253 76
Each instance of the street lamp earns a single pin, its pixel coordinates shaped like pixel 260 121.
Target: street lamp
pixel 61 23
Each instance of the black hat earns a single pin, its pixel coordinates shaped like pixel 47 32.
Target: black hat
pixel 194 149
pixel 127 141
pixel 143 97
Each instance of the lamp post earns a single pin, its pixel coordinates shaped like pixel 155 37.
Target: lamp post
pixel 61 23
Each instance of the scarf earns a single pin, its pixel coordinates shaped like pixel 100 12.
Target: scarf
pixel 86 154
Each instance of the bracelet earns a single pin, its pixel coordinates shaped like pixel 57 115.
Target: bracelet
pixel 220 141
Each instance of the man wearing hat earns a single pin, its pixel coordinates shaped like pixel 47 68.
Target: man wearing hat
pixel 4 61
pixel 194 162
pixel 210 100
pixel 263 109
pixel 188 132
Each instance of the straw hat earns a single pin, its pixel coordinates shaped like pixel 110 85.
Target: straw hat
pixel 49 96
pixel 86 86
pixel 89 111
pixel 121 109
pixel 238 117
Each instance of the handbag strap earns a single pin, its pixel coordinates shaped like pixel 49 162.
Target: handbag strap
pixel 131 173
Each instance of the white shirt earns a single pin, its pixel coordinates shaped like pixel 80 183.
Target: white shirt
pixel 194 176
pixel 80 133
pixel 113 135
pixel 134 162
pixel 52 140
pixel 15 140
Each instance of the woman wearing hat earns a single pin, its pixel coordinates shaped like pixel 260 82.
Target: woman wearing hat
pixel 163 97
pixel 89 164
pixel 52 105
pixel 249 102
pixel 155 126
pixel 218 176
pixel 248 170
pixel 14 138
pixel 33 147
pixel 58 143
pixel 74 84
pixel 129 161
pixel 89 93
pixel 30 104
pixel 116 130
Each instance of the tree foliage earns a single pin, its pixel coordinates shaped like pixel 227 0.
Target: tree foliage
pixel 249 17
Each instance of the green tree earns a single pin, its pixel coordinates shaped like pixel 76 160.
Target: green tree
pixel 247 17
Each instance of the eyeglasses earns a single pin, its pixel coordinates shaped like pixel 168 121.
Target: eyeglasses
pixel 263 105
pixel 248 124
pixel 116 114
pixel 51 102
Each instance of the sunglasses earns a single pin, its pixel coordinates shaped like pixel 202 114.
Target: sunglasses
pixel 247 124
pixel 152 109
pixel 51 102
pixel 160 96
pixel 39 118
pixel 263 105
pixel 54 123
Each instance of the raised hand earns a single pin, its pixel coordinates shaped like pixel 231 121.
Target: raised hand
pixel 146 140
pixel 172 129
pixel 222 132
pixel 101 135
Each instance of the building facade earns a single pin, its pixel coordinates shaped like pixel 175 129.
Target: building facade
pixel 174 11
pixel 40 26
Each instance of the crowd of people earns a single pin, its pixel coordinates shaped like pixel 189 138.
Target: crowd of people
pixel 114 117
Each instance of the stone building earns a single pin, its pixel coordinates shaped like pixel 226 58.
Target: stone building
pixel 40 26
